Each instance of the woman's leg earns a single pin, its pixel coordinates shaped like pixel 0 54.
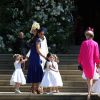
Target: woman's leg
pixel 38 88
pixel 90 84
pixel 41 89
pixel 33 88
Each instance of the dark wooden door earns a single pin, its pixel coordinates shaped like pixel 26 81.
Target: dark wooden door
pixel 89 12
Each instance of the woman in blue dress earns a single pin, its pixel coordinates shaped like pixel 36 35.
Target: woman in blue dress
pixel 35 72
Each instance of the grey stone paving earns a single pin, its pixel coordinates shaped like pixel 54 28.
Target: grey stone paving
pixel 60 93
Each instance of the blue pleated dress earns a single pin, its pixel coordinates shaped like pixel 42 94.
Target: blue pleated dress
pixel 35 72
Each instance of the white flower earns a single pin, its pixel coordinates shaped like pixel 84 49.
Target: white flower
pixel 49 48
pixel 10 37
pixel 54 45
pixel 9 49
pixel 63 18
pixel 2 45
pixel 60 8
pixel 41 0
pixel 37 8
pixel 46 1
pixel 58 23
pixel 60 30
pixel 66 1
pixel 1 38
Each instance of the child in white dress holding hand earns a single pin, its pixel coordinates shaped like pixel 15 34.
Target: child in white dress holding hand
pixel 50 78
pixel 18 78
pixel 96 85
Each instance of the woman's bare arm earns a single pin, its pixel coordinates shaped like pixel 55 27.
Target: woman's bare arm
pixel 38 50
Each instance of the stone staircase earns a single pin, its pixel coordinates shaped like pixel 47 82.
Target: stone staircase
pixel 74 88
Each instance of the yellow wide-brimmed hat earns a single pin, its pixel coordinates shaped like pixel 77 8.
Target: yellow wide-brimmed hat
pixel 35 26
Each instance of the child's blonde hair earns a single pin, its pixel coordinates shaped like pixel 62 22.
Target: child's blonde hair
pixel 17 56
pixel 56 58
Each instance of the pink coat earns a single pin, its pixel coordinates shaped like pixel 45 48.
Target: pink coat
pixel 89 54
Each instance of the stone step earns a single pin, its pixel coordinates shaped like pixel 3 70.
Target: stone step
pixel 56 96
pixel 10 64
pixel 65 83
pixel 69 60
pixel 67 55
pixel 68 67
pixel 62 72
pixel 74 49
pixel 10 56
pixel 61 58
pixel 68 63
pixel 61 66
pixel 64 77
pixel 61 63
pixel 59 55
pixel 27 89
pixel 6 60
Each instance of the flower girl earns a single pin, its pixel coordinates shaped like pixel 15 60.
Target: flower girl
pixel 58 80
pixel 18 78
pixel 50 78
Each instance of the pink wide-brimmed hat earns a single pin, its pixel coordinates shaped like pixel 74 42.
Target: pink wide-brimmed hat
pixel 90 31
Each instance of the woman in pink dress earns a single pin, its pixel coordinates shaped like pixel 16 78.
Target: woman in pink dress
pixel 89 54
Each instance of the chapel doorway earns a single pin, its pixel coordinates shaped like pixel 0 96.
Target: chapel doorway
pixel 88 14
